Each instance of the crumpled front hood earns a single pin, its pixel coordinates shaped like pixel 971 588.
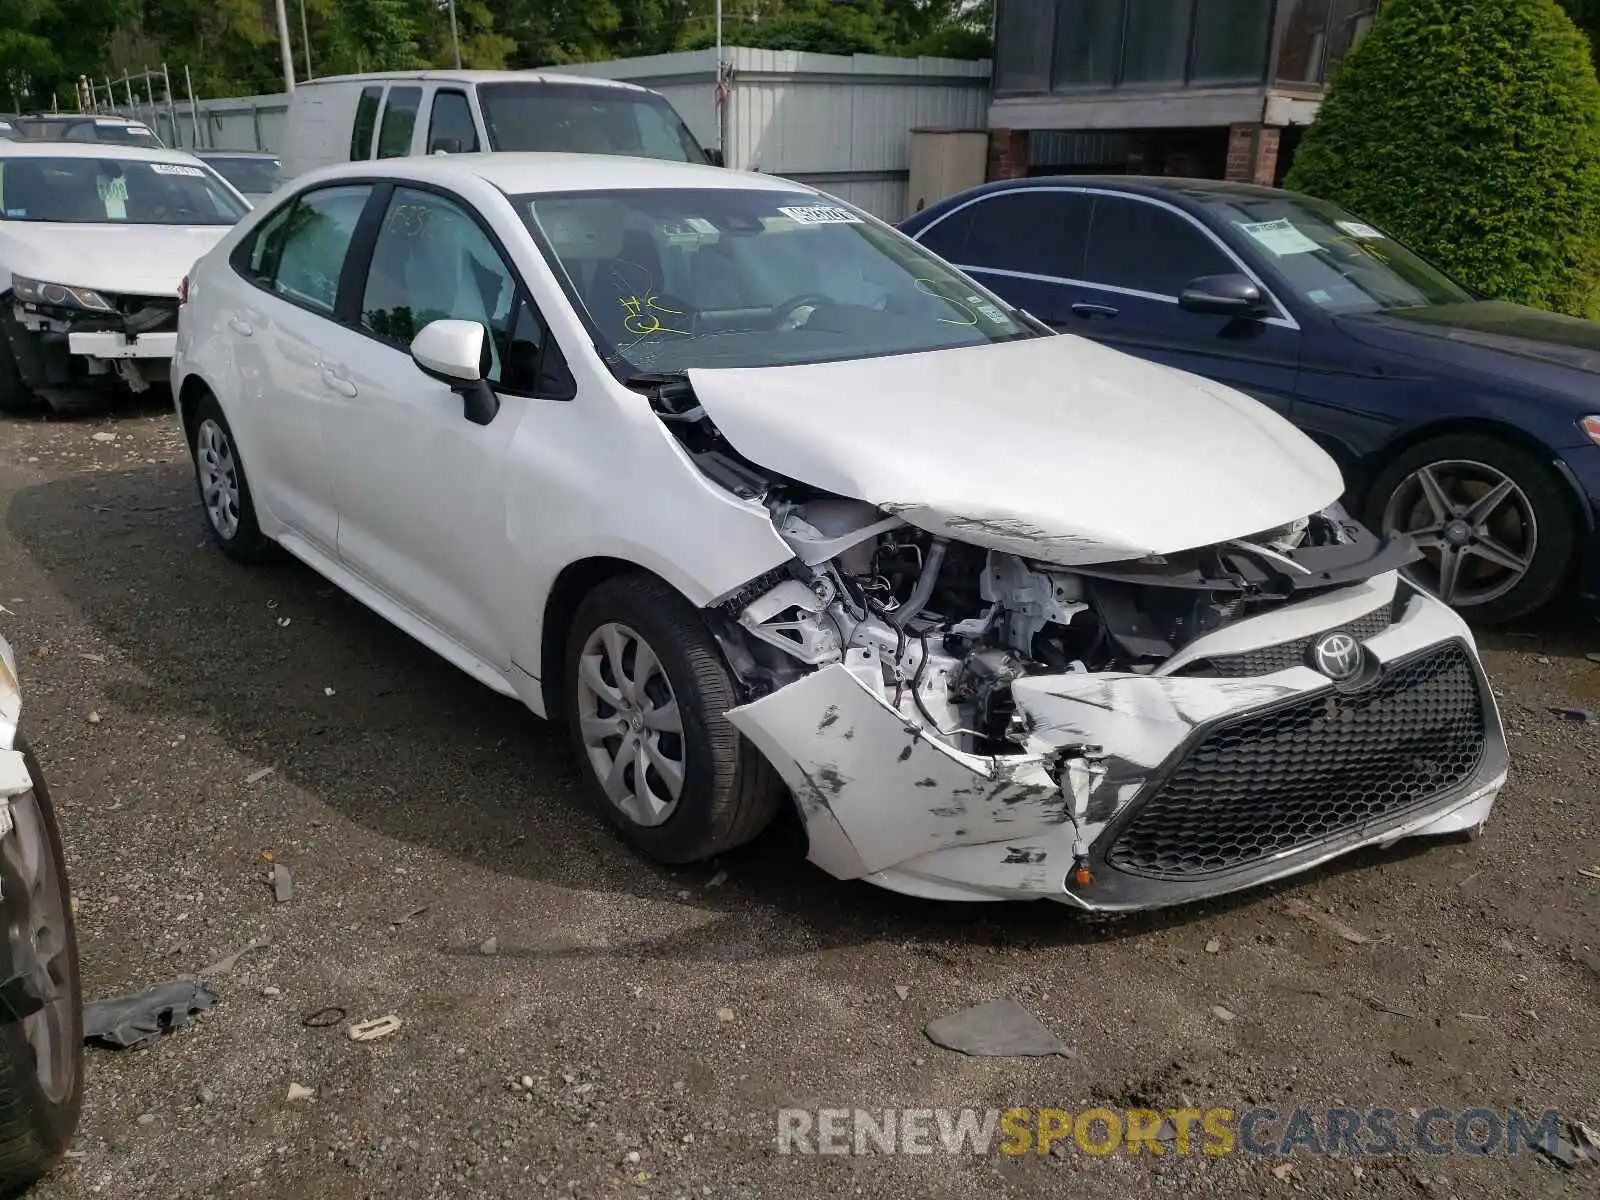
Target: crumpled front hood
pixel 1053 448
pixel 134 260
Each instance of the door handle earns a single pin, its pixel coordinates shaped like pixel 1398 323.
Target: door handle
pixel 338 383
pixel 242 328
pixel 1090 311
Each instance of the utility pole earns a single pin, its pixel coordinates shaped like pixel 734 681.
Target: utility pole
pixel 284 49
pixel 305 37
pixel 455 37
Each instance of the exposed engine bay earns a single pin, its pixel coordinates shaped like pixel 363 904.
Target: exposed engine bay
pixel 945 626
pixel 979 694
pixel 88 339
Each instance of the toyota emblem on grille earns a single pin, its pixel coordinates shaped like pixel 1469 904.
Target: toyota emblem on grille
pixel 1338 656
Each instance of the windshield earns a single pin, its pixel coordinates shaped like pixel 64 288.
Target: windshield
pixel 674 279
pixel 252 176
pixel 1332 260
pixel 579 119
pixel 89 130
pixel 113 191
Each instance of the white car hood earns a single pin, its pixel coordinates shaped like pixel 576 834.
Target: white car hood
pixel 137 260
pixel 1054 448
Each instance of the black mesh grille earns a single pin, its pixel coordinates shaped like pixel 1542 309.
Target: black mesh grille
pixel 1267 659
pixel 1284 779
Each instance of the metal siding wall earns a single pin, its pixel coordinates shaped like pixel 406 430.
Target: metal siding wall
pixel 826 117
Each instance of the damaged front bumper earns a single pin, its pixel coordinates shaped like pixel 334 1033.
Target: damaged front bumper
pixel 1142 790
pixel 60 351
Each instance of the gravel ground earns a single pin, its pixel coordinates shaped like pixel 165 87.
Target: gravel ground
pixel 662 1016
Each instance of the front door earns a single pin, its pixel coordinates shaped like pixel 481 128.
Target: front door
pixel 420 488
pixel 1140 256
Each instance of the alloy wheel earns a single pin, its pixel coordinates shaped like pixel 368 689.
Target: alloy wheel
pixel 37 938
pixel 1474 524
pixel 219 477
pixel 631 727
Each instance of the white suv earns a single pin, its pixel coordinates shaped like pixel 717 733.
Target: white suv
pixel 763 499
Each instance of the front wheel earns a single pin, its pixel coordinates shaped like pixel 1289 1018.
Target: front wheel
pixel 646 700
pixel 1493 520
pixel 41 1052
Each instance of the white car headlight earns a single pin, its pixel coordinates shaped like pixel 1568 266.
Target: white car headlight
pixel 59 295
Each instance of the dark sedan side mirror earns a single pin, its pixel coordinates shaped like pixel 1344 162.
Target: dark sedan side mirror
pixel 1224 296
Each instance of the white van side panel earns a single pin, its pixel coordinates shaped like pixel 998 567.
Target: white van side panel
pixel 321 116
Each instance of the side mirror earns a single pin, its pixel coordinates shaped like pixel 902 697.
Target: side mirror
pixel 457 353
pixel 715 157
pixel 1223 296
pixel 445 145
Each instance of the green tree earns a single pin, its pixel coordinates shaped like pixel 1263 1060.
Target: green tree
pixel 1470 129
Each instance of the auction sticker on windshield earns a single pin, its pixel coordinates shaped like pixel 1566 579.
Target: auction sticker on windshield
pixel 821 214
pixel 1358 229
pixel 1281 237
pixel 177 169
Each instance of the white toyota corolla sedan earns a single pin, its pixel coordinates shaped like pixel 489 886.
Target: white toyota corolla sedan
pixel 762 500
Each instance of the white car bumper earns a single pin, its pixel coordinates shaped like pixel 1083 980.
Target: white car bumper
pixel 1139 790
pixel 113 345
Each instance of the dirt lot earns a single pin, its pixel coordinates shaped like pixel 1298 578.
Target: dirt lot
pixel 421 815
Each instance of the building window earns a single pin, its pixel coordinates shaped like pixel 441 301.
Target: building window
pixel 1071 44
pixel 1317 34
pixel 1088 42
pixel 1025 36
pixel 1230 41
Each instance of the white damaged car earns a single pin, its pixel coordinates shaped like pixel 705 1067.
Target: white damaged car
pixel 94 240
pixel 765 501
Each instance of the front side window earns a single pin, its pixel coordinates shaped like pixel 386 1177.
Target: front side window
pixel 673 279
pixel 399 119
pixel 1331 259
pixel 583 119
pixel 314 240
pixel 366 122
pixel 114 192
pixel 450 124
pixel 433 262
pixel 1144 247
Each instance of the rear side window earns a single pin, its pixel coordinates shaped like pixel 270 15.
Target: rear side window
pixel 1031 231
pixel 298 252
pixel 1147 248
pixel 450 126
pixel 399 119
pixel 948 238
pixel 366 122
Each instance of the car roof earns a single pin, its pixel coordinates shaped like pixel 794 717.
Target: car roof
pixel 76 118
pixel 516 173
pixel 43 149
pixel 1158 186
pixel 555 77
pixel 264 155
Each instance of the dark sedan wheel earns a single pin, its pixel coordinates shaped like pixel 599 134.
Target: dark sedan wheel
pixel 1493 520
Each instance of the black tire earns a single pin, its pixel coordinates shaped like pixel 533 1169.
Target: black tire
pixel 36 1129
pixel 730 793
pixel 1556 522
pixel 14 394
pixel 243 541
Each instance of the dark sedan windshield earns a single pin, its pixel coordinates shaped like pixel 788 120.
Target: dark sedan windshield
pixel 252 176
pixel 674 279
pixel 1331 259
pixel 114 191
pixel 584 119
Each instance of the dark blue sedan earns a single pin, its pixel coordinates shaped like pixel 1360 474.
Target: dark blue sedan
pixel 1472 424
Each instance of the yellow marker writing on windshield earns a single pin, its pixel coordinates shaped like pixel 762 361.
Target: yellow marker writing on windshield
pixel 642 319
pixel 968 316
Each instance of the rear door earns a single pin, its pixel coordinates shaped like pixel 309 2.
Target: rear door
pixel 281 331
pixel 398 124
pixel 1027 244
pixel 1141 254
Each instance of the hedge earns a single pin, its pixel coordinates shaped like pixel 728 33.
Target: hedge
pixel 1470 129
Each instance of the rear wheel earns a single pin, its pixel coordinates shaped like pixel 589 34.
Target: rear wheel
pixel 41 1054
pixel 224 489
pixel 1493 520
pixel 646 700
